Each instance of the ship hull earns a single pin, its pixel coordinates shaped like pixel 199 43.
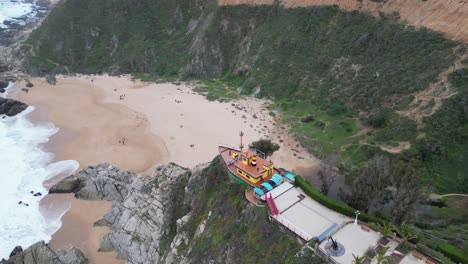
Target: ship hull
pixel 233 176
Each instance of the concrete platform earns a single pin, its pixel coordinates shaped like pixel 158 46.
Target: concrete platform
pixel 355 240
pixel 302 215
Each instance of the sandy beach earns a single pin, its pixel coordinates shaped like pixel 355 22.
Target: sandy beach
pixel 159 123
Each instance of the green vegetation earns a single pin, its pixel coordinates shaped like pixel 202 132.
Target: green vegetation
pixel 449 251
pixel 358 259
pixel 233 229
pixel 148 77
pixel 446 223
pixel 222 89
pixel 444 150
pixel 331 203
pixel 386 229
pixel 265 145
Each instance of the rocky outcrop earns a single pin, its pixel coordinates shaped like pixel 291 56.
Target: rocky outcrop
pixel 206 55
pixel 16 251
pixel 11 107
pixel 143 207
pixel 40 253
pixel 5 81
pixel 3 85
pixel 73 256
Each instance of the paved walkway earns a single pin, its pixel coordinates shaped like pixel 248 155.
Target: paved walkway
pixel 303 215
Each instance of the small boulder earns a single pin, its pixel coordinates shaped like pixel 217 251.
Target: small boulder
pixel 308 118
pixel 67 185
pixel 51 79
pixel 3 84
pixel 16 250
pixel 11 107
pixel 37 194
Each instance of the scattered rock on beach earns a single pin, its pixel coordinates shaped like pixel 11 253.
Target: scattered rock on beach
pixel 11 107
pixel 71 184
pixel 3 85
pixel 51 79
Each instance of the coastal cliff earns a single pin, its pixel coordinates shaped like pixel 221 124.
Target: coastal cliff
pixel 183 216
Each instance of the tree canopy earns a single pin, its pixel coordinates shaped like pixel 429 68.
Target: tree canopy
pixel 265 145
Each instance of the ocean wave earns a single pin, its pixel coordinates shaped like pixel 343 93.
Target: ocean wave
pixel 24 166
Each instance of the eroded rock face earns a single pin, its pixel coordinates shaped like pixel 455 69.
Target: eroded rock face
pixel 143 207
pixel 11 107
pixel 40 253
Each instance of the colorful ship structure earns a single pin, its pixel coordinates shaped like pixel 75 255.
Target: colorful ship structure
pixel 253 169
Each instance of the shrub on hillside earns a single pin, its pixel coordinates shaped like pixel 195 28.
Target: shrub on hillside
pixel 379 119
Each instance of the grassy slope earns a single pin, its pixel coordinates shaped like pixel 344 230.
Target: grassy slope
pixel 137 36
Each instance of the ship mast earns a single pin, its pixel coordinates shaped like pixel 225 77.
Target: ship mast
pixel 241 146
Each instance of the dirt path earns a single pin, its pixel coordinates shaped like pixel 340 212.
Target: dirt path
pixel 396 149
pixel 428 101
pixel 435 196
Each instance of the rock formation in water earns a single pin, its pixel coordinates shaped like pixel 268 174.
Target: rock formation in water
pixel 11 107
pixel 40 253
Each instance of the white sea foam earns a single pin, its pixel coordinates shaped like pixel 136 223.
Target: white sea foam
pixel 11 10
pixel 24 166
pixel 8 90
